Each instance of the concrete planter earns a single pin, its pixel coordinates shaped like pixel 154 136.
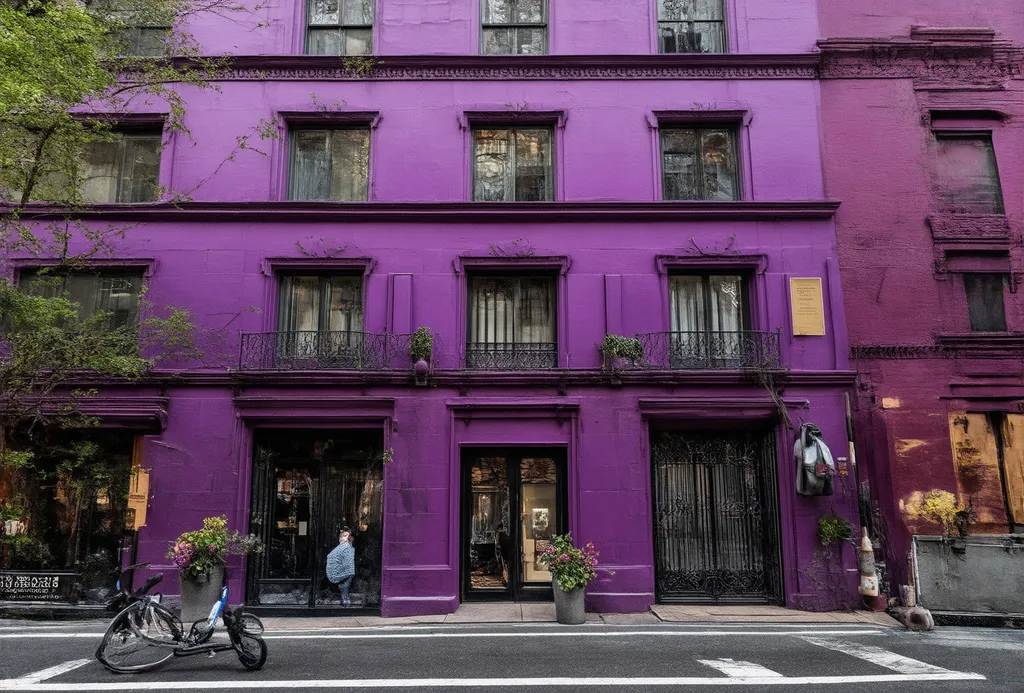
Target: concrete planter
pixel 976 574
pixel 570 608
pixel 197 598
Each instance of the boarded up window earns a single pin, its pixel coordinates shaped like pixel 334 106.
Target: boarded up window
pixel 1013 466
pixel 966 177
pixel 985 302
pixel 988 457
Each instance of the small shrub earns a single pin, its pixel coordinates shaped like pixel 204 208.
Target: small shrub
pixel 833 529
pixel 421 346
pixel 616 346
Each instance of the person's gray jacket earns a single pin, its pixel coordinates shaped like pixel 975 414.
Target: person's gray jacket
pixel 341 562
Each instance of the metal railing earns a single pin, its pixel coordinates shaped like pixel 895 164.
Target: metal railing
pixel 709 350
pixel 311 350
pixel 509 356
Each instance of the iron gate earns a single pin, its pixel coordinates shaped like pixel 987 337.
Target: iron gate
pixel 716 535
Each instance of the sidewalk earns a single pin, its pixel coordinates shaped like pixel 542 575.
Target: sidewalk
pixel 545 613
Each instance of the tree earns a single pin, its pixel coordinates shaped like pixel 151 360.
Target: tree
pixel 72 69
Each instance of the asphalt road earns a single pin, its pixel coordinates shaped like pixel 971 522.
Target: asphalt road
pixel 533 656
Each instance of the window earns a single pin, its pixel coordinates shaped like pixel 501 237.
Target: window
pixel 699 164
pixel 149 41
pixel 512 164
pixel 320 322
pixel 124 169
pixel 691 26
pixel 709 318
pixel 985 302
pixel 340 27
pixel 967 180
pixel 114 293
pixel 330 164
pixel 515 26
pixel 512 322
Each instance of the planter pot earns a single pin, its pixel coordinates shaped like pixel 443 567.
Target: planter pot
pixel 421 369
pixel 569 606
pixel 878 603
pixel 197 598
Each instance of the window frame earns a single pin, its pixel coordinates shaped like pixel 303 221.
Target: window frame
pixel 953 133
pixel 512 128
pixel 726 22
pixel 330 126
pixel 323 276
pixel 1005 280
pixel 139 272
pixel 705 274
pixel 309 28
pixel 123 132
pixel 547 273
pixel 515 26
pixel 734 131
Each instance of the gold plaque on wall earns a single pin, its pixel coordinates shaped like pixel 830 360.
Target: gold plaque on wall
pixel 808 307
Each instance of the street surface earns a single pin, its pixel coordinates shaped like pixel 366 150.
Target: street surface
pixel 770 657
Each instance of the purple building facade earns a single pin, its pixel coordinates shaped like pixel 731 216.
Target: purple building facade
pixel 521 207
pixel 921 119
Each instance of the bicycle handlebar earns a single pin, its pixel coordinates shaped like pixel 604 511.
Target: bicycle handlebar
pixel 149 584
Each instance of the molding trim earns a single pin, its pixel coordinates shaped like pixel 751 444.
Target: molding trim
pixel 521 67
pixel 947 346
pixel 469 409
pixel 448 212
pixel 978 228
pixel 315 407
pixel 667 263
pixel 362 265
pixel 762 408
pixel 127 412
pixel 498 263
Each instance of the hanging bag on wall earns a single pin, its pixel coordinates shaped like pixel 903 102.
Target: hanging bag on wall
pixel 815 466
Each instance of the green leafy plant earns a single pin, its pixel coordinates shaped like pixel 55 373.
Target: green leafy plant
pixel 571 566
pixel 616 346
pixel 200 552
pixel 833 529
pixel 942 508
pixel 421 345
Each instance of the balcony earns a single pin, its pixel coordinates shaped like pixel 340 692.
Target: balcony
pixel 346 351
pixel 509 356
pixel 709 351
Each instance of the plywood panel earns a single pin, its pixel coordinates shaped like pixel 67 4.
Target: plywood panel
pixel 1013 464
pixel 976 462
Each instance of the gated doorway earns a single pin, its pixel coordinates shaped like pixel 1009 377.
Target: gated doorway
pixel 306 485
pixel 716 518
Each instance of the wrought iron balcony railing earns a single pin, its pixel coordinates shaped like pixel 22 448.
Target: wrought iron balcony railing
pixel 349 351
pixel 508 356
pixel 709 350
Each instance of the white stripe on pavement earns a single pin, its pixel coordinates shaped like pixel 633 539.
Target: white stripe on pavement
pixel 317 635
pixel 50 672
pixel 619 682
pixel 876 655
pixel 741 670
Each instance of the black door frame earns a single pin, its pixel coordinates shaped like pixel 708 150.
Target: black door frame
pixel 517 589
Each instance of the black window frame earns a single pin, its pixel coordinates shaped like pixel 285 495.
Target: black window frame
pixel 660 23
pixel 522 357
pixel 544 24
pixel 988 321
pixel 284 285
pixel 733 132
pixel 512 129
pixel 293 154
pixel 746 284
pixel 340 27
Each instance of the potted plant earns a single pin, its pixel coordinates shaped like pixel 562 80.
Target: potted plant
pixel 618 351
pixel 421 349
pixel 571 569
pixel 200 556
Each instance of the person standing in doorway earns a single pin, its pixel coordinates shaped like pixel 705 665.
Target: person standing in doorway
pixel 341 564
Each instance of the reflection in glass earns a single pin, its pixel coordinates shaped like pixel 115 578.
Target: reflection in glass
pixel 539 514
pixel 490 542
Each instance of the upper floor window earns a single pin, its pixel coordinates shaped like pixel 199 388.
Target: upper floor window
pixel 330 164
pixel 691 26
pixel 512 323
pixel 147 40
pixel 699 164
pixel 125 168
pixel 340 27
pixel 513 164
pixel 967 180
pixel 321 303
pixel 514 26
pixel 709 319
pixel 114 293
pixel 985 304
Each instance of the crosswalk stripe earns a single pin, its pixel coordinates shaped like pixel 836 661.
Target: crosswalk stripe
pixel 740 670
pixel 876 655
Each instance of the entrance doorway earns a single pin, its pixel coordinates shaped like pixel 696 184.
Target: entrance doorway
pixel 306 486
pixel 513 505
pixel 716 518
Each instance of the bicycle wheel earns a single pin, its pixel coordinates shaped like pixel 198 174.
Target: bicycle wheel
pixel 244 629
pixel 138 639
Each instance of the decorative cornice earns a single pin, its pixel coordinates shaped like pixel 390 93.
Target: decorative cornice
pixel 972 346
pixel 950 57
pixel 521 67
pixel 448 212
pixel 959 228
pixel 887 352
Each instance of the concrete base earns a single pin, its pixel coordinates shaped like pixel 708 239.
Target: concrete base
pixel 674 613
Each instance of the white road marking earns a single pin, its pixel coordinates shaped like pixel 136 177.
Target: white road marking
pixel 363 635
pixel 618 682
pixel 50 672
pixel 876 655
pixel 741 670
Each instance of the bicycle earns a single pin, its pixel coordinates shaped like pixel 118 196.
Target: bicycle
pixel 123 597
pixel 145 634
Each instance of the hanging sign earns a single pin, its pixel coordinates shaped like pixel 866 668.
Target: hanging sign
pixel 138 498
pixel 807 306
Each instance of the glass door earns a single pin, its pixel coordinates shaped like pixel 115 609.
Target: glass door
pixel 513 506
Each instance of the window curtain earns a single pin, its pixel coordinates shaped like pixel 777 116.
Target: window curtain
pixel 330 164
pixel 315 304
pixel 700 303
pixel 115 294
pixel 512 310
pixel 126 169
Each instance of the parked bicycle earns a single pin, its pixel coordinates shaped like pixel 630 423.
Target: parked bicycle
pixel 145 634
pixel 123 596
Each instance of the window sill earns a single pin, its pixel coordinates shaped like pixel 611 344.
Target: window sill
pixel 983 344
pixel 959 228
